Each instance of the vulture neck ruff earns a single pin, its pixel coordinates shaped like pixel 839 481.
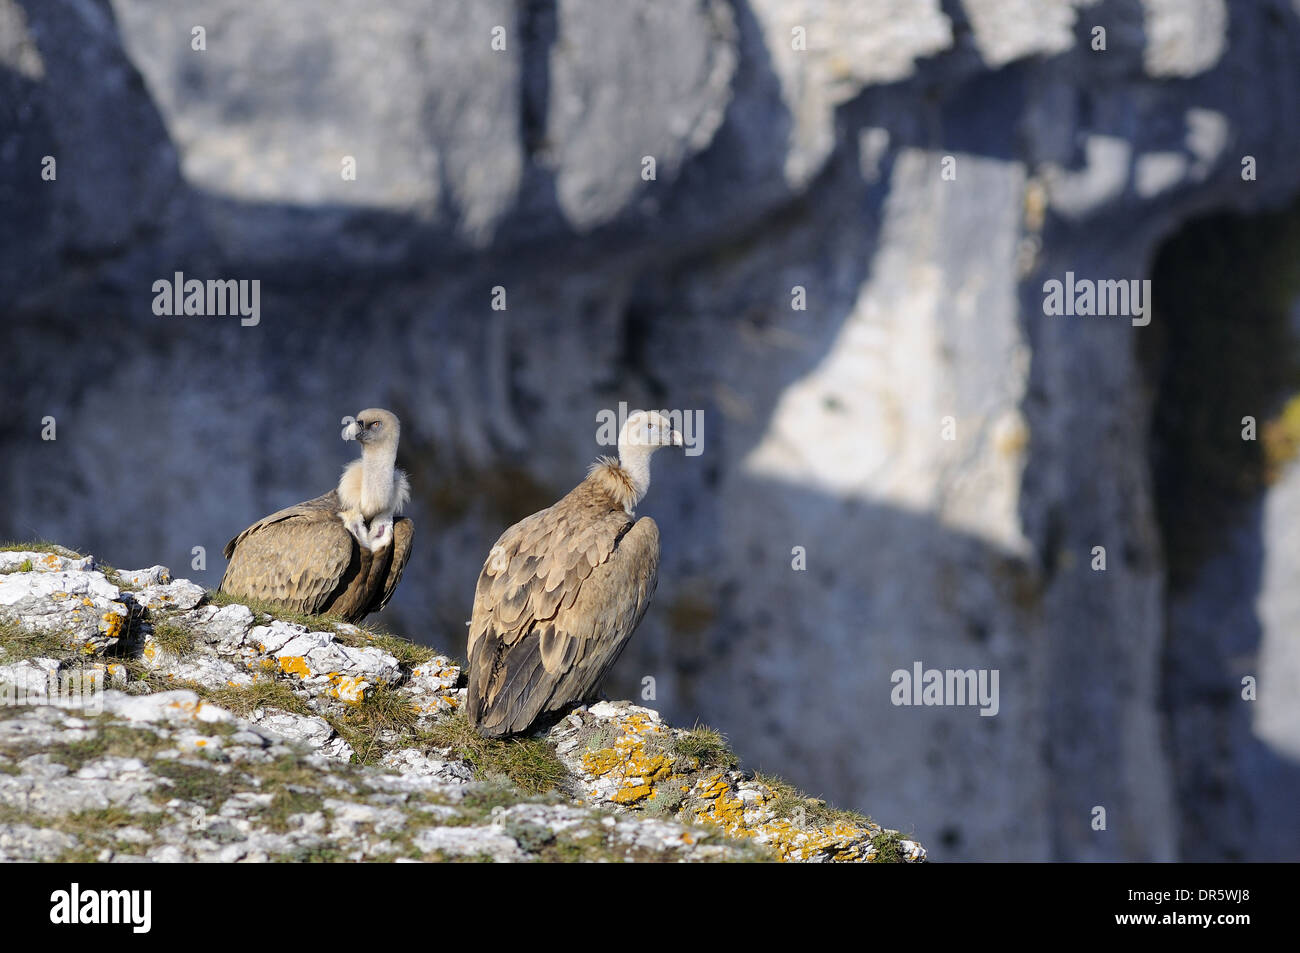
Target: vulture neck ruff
pixel 614 479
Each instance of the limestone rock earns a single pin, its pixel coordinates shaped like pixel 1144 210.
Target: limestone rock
pixel 623 756
pixel 30 676
pixel 153 576
pixel 64 561
pixel 82 605
pixel 174 594
pixel 309 730
pixel 410 761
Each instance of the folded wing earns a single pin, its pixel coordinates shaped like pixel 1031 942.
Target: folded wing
pixel 557 600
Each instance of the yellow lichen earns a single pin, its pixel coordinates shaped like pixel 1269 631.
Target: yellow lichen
pixel 112 624
pixel 637 761
pixel 294 665
pixel 345 689
pixel 636 769
pixel 631 793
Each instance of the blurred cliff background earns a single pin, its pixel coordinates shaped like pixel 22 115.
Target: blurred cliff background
pixel 776 167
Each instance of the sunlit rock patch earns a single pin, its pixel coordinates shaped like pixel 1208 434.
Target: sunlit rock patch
pixel 63 595
pixel 623 756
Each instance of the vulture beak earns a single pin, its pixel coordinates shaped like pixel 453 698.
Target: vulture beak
pixel 351 430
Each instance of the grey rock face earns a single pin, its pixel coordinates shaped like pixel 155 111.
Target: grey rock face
pixel 447 153
pixel 822 168
pixel 81 602
pixel 679 69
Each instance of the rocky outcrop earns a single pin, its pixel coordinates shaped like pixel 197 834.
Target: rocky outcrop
pixel 797 145
pixel 192 731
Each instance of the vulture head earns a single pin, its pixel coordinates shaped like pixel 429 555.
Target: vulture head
pixel 644 432
pixel 648 428
pixel 374 427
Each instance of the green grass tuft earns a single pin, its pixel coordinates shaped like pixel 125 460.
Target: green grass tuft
pixel 266 692
pixel 21 643
pixel 38 546
pixel 889 849
pixel 363 724
pixel 706 745
pixel 176 639
pixel 792 803
pixel 529 763
pixel 665 801
pixel 200 784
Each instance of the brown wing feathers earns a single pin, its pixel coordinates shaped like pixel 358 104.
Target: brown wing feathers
pixel 403 534
pixel 302 558
pixel 556 601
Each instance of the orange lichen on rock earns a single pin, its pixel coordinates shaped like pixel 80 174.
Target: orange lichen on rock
pixel 112 624
pixel 630 762
pixel 346 689
pixel 294 665
pixel 723 810
pixel 645 755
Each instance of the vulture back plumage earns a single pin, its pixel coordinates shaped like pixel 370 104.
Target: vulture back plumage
pixel 557 600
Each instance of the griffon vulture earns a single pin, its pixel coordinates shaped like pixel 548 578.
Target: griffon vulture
pixel 563 590
pixel 343 552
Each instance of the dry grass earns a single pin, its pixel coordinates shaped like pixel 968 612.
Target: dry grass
pixel 38 546
pixel 266 692
pixel 364 724
pixel 22 643
pixel 706 745
pixel 791 802
pixel 529 763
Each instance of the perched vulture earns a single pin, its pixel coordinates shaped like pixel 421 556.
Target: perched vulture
pixel 563 590
pixel 343 552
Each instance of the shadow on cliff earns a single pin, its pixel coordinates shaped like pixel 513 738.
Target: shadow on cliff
pixel 1225 348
